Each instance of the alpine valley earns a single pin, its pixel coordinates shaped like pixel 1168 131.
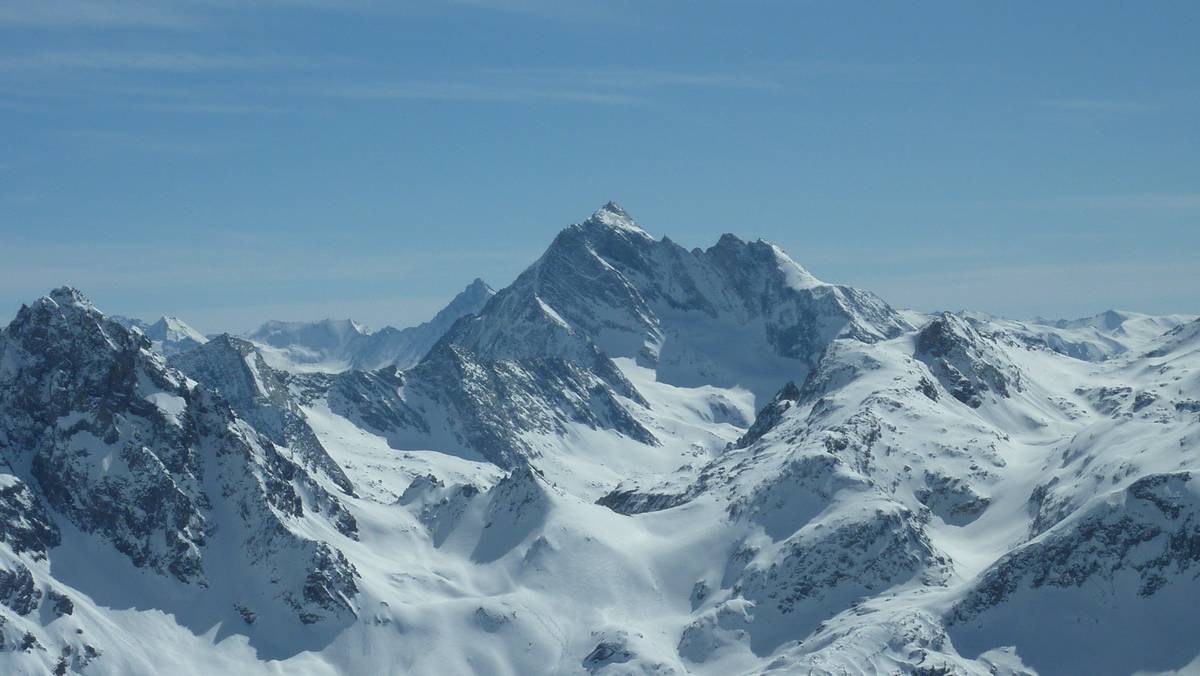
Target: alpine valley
pixel 635 459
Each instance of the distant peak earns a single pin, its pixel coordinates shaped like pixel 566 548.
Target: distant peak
pixel 469 301
pixel 613 216
pixel 172 329
pixel 478 286
pixel 614 208
pixel 230 342
pixel 1109 320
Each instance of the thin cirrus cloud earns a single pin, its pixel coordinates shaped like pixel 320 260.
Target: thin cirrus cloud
pixel 177 15
pixel 635 78
pixel 628 86
pixel 1099 106
pixel 143 61
pixel 100 14
pixel 605 87
pixel 148 14
pixel 471 92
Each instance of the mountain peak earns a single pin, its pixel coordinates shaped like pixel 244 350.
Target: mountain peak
pixel 474 292
pixel 613 216
pixel 173 329
pixel 69 295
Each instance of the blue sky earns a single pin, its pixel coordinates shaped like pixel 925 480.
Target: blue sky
pixel 233 161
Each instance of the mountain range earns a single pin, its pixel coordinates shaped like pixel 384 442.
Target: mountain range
pixel 635 459
pixel 338 345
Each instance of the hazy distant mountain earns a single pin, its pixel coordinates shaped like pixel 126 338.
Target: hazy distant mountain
pixel 635 459
pixel 168 335
pixel 337 345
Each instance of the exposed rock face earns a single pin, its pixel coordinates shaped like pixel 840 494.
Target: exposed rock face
pixel 24 525
pixel 630 500
pixel 17 590
pixel 96 416
pixel 951 498
pixel 965 362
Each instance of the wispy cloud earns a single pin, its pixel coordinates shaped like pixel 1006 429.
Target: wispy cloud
pixel 178 62
pixel 1099 106
pixel 641 78
pixel 606 87
pixel 60 14
pixel 152 82
pixel 575 10
pixel 184 14
pixel 471 92
pixel 129 141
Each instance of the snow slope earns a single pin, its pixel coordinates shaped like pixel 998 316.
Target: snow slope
pixel 635 459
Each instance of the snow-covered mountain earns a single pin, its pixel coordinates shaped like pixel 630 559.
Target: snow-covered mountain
pixel 1095 338
pixel 736 314
pixel 634 459
pixel 332 345
pixel 128 486
pixel 168 335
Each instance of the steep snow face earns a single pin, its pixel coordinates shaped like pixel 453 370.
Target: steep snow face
pixel 174 332
pixel 737 314
pixel 332 346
